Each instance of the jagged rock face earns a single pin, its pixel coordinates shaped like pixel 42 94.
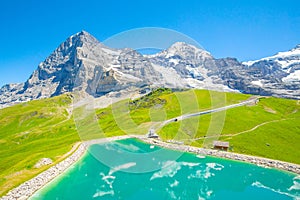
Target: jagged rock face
pixel 56 74
pixel 185 59
pixel 138 66
pixel 278 75
pixel 84 64
pixel 8 95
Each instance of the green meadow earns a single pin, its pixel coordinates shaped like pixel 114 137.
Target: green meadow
pixel 31 131
pixel 46 128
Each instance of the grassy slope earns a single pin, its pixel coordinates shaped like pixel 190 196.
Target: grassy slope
pixel 129 115
pixel 277 121
pixel 269 129
pixel 29 132
pixel 277 139
pixel 44 128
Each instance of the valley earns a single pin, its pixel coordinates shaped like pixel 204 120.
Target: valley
pixel 44 128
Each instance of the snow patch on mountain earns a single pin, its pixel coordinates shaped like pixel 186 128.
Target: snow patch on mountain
pixel 258 83
pixel 180 50
pixel 170 77
pixel 295 76
pixel 83 63
pixel 284 59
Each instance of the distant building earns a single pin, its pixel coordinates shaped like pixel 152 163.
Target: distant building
pixel 221 145
pixel 152 134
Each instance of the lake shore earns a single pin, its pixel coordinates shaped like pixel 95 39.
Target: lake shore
pixel 28 188
pixel 260 161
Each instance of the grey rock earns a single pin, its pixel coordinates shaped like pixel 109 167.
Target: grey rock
pixel 83 63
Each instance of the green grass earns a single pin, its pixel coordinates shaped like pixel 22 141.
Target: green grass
pixel 278 129
pixel 162 105
pixel 43 128
pixel 277 139
pixel 32 131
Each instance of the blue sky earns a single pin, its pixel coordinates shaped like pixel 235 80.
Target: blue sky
pixel 245 29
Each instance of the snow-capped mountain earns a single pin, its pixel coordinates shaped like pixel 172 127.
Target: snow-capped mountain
pixel 82 62
pixel 280 74
pixel 288 62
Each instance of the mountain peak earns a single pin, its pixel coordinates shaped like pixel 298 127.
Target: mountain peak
pixel 297 47
pixel 84 36
pixel 185 50
pixel 83 33
pixel 70 45
pixel 81 61
pixel 182 45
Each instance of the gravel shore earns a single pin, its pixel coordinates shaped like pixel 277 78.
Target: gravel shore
pixel 264 162
pixel 27 189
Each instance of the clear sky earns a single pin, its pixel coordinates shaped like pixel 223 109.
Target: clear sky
pixel 246 29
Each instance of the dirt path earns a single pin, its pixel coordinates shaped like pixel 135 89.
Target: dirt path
pixel 257 126
pixel 246 131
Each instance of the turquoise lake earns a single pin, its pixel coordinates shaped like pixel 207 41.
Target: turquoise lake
pixel 131 169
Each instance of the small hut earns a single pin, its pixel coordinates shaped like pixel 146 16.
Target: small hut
pixel 152 134
pixel 221 145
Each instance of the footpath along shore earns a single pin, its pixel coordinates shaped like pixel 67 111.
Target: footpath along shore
pixel 27 189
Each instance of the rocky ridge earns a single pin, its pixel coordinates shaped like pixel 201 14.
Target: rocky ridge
pixel 82 63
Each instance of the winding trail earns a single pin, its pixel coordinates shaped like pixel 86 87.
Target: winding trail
pixel 246 131
pixel 68 116
pixel 257 126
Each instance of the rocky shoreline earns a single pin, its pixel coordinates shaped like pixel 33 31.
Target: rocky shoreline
pixel 27 189
pixel 264 162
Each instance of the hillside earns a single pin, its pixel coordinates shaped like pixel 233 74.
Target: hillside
pixel 46 129
pixel 269 128
pixel 31 131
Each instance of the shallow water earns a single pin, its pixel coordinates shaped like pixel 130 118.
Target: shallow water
pixel 131 169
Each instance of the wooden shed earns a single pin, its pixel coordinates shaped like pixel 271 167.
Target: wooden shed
pixel 221 145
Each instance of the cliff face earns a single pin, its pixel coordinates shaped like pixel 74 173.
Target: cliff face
pixel 83 63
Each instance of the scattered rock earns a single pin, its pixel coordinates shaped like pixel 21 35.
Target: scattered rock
pixel 42 162
pixel 270 110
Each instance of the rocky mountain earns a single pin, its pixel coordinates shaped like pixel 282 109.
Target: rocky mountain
pixel 83 63
pixel 279 75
